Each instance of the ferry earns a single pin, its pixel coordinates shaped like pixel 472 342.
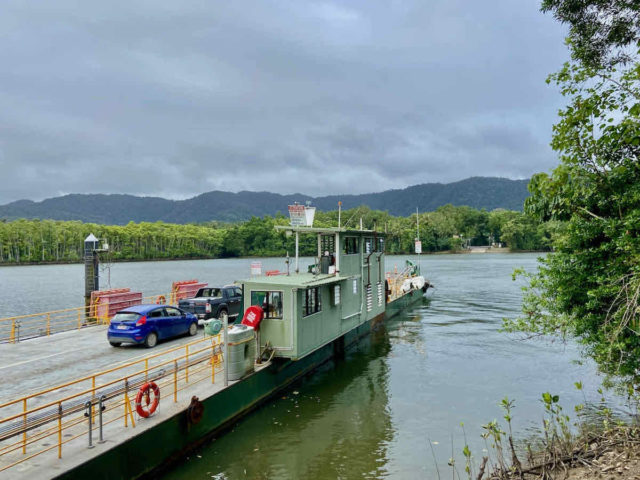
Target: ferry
pixel 293 322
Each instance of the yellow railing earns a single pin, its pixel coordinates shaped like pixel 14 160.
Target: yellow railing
pixel 44 421
pixel 22 327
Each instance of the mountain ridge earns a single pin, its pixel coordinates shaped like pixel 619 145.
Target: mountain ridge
pixel 119 209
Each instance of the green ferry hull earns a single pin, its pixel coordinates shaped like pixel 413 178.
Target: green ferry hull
pixel 157 448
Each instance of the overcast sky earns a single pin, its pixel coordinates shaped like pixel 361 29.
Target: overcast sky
pixel 174 99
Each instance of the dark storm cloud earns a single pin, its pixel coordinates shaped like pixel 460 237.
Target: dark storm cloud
pixel 178 98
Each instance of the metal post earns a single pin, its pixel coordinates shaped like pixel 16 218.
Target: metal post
pixel 89 415
pixel 226 347
pixel 213 362
pixel 186 365
pixel 337 253
pixel 126 401
pixel 59 430
pixel 24 421
pixel 48 324
pixel 175 381
pixel 101 407
pixel 297 240
pixel 93 395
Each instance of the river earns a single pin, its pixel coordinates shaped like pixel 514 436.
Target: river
pixel 372 414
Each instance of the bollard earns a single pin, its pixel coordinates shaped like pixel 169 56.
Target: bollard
pixel 89 415
pixel 101 408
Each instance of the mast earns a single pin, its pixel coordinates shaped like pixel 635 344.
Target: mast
pixel 419 251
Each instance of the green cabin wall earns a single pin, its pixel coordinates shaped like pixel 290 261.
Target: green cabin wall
pixel 278 332
pixel 298 336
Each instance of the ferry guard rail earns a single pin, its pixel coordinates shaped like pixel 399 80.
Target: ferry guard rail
pixel 21 327
pixel 43 422
pixel 17 328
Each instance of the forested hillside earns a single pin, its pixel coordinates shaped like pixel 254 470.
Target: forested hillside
pixel 477 192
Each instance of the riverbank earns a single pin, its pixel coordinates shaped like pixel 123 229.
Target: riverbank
pixel 180 259
pixel 611 454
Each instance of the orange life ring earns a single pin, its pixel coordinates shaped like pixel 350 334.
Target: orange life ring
pixel 161 300
pixel 145 391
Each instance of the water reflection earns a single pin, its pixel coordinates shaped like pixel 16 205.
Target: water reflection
pixel 330 425
pixel 370 415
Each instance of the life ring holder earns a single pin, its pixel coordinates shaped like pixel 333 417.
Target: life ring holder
pixel 161 300
pixel 145 391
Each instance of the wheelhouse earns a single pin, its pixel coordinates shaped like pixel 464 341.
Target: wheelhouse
pixel 342 290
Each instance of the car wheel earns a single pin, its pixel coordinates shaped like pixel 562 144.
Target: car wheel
pixel 193 329
pixel 223 316
pixel 115 344
pixel 151 340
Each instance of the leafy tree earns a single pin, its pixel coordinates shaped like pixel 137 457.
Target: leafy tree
pixel 600 30
pixel 590 286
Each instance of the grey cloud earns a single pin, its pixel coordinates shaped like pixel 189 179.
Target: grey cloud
pixel 161 98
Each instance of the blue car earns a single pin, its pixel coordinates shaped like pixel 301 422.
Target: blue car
pixel 149 323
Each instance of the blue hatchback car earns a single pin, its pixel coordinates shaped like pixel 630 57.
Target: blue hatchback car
pixel 149 323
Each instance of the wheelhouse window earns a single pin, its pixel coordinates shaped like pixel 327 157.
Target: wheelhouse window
pixel 328 243
pixel 350 245
pixel 368 245
pixel 311 302
pixel 269 301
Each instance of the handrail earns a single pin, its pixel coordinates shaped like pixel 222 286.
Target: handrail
pixel 23 327
pixel 66 412
pixel 103 372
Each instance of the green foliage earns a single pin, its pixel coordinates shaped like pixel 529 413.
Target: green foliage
pixel 33 241
pixel 590 286
pixel 599 29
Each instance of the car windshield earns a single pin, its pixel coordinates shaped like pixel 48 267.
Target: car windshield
pixel 125 317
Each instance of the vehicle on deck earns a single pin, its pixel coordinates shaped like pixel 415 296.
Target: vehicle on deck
pixel 146 324
pixel 215 302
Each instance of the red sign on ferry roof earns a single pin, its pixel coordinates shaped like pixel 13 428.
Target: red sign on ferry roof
pixel 297 216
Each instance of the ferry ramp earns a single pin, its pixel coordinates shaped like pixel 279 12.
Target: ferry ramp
pixel 53 386
pixel 32 365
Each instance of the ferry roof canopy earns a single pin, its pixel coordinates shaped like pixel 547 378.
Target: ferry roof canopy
pixel 301 280
pixel 331 230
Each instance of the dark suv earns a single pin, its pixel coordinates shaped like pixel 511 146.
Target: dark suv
pixel 215 302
